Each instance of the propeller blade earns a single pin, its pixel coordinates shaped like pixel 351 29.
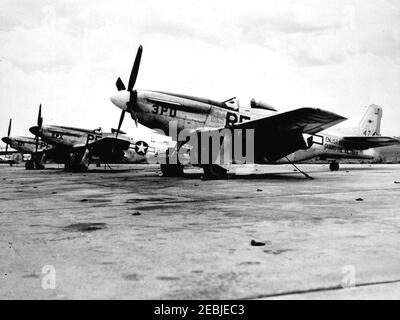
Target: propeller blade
pixel 120 85
pixel 131 105
pixel 37 144
pixel 135 118
pixel 135 69
pixel 8 136
pixel 40 119
pixel 121 119
pixel 9 128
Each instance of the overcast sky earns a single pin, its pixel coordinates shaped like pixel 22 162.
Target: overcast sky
pixel 67 55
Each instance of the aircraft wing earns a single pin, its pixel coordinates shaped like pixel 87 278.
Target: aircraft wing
pixel 56 154
pixel 282 134
pixel 363 143
pixel 109 147
pixel 3 153
pixel 110 142
pixel 307 120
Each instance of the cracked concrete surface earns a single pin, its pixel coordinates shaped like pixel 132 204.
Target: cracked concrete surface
pixel 130 234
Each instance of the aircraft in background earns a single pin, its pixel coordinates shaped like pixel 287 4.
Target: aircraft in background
pixel 355 143
pixel 10 158
pixel 82 146
pixel 275 135
pixel 26 145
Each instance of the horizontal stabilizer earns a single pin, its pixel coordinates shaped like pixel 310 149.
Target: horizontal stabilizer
pixel 363 143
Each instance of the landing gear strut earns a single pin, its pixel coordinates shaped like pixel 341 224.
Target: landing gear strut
pixel 334 166
pixel 172 170
pixel 78 161
pixel 32 164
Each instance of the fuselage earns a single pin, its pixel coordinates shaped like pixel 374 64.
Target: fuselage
pixel 156 110
pixel 26 144
pixel 67 137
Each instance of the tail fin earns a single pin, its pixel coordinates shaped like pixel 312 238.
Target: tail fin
pixel 370 124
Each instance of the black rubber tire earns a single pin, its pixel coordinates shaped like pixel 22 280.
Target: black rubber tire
pixel 214 172
pixel 39 166
pixel 69 167
pixel 172 170
pixel 334 166
pixel 29 165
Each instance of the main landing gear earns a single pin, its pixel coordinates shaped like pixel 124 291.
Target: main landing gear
pixel 31 165
pixel 334 166
pixel 75 167
pixel 78 161
pixel 214 172
pixel 172 170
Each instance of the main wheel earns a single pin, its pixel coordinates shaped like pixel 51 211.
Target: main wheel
pixel 71 167
pixel 334 166
pixel 214 172
pixel 39 166
pixel 172 170
pixel 29 165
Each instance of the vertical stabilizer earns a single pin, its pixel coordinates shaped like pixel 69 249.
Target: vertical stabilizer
pixel 370 124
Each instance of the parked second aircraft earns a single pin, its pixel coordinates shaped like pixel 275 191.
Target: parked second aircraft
pixel 354 144
pixel 81 147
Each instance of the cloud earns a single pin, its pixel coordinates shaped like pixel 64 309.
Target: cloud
pixel 68 54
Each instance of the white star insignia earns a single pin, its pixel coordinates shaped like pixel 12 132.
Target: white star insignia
pixel 141 148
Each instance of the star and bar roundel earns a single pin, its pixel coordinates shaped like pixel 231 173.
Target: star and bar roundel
pixel 141 148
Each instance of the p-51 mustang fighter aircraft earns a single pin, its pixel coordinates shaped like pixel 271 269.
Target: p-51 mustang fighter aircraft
pixel 27 145
pixel 82 146
pixel 275 135
pixel 353 145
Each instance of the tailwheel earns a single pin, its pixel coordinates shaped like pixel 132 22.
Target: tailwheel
pixel 172 170
pixel 334 166
pixel 29 165
pixel 214 172
pixel 39 166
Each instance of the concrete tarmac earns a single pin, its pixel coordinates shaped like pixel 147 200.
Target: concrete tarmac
pixel 128 233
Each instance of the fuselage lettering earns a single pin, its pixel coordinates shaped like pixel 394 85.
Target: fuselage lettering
pixel 164 111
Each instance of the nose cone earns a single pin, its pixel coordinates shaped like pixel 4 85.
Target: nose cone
pixel 34 130
pixel 6 140
pixel 120 99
